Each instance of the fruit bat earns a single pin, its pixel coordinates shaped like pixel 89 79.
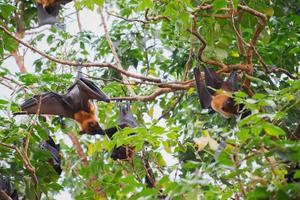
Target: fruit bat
pixel 54 149
pixel 74 104
pixel 48 10
pixel 216 93
pixel 126 119
pixel 6 187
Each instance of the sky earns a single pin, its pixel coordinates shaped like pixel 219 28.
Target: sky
pixel 94 26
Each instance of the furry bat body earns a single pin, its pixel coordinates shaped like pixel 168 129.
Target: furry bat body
pixel 126 119
pixel 74 104
pixel 48 10
pixel 217 94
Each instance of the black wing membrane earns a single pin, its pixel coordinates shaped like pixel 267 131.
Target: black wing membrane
pixel 213 80
pixel 231 83
pixel 48 14
pixel 203 93
pixel 81 92
pixel 49 103
pixel 44 17
pixel 54 151
pixel 92 91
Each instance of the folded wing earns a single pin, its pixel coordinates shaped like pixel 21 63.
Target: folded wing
pixel 203 93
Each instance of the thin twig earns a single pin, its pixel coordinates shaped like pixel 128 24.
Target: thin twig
pixel 114 52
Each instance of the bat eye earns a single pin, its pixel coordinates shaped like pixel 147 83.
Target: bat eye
pixel 92 124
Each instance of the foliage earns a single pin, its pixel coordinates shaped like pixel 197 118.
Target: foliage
pixel 260 153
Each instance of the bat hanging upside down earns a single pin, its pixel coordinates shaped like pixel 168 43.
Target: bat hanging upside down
pixel 216 93
pixel 53 149
pixel 48 10
pixel 74 104
pixel 126 119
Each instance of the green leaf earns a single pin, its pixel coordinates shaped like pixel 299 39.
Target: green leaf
pixel 218 4
pixel 297 174
pixel 273 130
pixel 6 10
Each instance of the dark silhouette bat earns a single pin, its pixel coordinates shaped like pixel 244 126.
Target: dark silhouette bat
pixel 126 119
pixel 74 104
pixel 48 10
pixel 216 93
pixel 6 187
pixel 54 151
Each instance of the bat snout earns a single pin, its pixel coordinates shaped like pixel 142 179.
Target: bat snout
pixel 93 129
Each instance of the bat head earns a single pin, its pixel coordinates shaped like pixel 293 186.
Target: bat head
pixel 91 127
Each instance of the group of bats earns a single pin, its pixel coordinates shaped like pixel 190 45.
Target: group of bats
pixel 76 104
pixel 213 93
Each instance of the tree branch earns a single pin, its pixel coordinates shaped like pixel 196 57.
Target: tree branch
pixel 114 52
pixel 76 64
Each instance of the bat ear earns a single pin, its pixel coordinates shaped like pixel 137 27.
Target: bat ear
pixel 212 79
pixel 232 81
pixel 44 17
pixel 203 93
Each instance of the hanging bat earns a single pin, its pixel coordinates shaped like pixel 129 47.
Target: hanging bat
pixel 126 119
pixel 216 93
pixel 54 150
pixel 6 188
pixel 48 10
pixel 74 104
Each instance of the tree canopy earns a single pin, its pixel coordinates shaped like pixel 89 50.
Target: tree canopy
pixel 144 52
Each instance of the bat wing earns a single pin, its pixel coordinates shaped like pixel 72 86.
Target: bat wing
pixel 212 79
pixel 49 103
pixel 81 92
pixel 203 93
pixel 91 90
pixel 231 83
pixel 54 151
pixel 44 17
pixel 126 117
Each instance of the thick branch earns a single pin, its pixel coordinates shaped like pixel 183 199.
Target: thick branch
pixel 157 93
pixel 76 64
pixel 78 148
pixel 4 196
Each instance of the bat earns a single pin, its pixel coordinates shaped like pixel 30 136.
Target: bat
pixel 126 119
pixel 54 149
pixel 216 93
pixel 74 104
pixel 48 10
pixel 6 187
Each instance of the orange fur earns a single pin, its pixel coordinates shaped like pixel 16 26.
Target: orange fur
pixel 217 104
pixel 87 118
pixel 45 3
